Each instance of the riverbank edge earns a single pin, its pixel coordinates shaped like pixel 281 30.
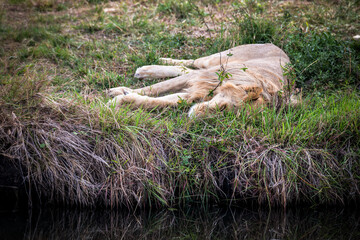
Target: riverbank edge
pixel 65 159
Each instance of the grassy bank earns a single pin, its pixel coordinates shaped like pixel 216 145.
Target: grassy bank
pixel 73 149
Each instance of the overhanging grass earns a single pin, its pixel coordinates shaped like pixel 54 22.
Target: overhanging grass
pixel 82 152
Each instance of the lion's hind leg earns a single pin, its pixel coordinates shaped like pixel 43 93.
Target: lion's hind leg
pixel 158 71
pixel 178 62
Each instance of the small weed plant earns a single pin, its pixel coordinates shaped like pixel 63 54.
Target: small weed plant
pixel 222 74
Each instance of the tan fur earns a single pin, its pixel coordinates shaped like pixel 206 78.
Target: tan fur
pixel 256 75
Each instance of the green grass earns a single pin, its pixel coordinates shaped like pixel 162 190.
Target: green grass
pixel 56 68
pixel 181 10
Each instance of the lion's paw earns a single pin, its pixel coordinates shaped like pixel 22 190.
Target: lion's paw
pixel 113 92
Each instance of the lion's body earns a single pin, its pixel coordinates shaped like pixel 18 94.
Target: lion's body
pixel 252 73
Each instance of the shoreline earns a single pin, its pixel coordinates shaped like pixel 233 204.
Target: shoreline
pixel 81 163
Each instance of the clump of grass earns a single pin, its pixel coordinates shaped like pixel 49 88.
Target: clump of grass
pixel 181 9
pixel 35 34
pixel 322 62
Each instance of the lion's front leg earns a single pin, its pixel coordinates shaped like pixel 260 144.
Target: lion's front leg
pixel 178 84
pixel 201 109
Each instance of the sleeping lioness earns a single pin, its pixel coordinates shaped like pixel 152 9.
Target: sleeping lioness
pixel 248 73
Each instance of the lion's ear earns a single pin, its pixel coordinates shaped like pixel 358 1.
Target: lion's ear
pixel 253 91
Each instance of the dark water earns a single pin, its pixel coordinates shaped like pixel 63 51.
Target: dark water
pixel 301 223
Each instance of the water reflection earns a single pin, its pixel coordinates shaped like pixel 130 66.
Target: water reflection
pixel 192 224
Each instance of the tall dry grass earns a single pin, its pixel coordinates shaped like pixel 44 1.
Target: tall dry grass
pixel 77 151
